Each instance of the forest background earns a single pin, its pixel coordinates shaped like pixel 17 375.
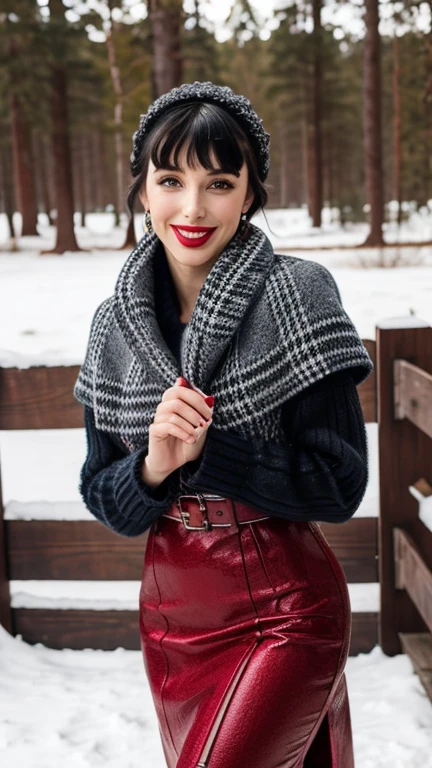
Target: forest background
pixel 348 106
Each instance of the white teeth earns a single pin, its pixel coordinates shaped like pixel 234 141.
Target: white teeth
pixel 192 235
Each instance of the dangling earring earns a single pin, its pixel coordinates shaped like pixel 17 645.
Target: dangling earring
pixel 242 229
pixel 148 223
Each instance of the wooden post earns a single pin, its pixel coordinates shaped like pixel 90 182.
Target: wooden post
pixel 5 602
pixel 405 455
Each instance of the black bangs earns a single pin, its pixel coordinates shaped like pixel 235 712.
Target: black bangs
pixel 210 136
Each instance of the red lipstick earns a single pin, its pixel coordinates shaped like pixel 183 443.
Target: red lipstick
pixel 196 241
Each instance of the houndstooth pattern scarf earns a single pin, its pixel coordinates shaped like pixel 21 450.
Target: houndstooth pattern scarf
pixel 264 327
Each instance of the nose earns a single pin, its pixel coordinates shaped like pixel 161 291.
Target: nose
pixel 193 206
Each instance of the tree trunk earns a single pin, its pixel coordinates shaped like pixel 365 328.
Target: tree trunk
pixel 427 100
pixel 24 170
pixel 104 194
pixel 7 195
pixel 316 201
pixel 95 182
pixel 118 133
pixel 330 167
pixel 130 240
pixel 81 165
pixel 118 114
pixel 372 123
pixel 49 171
pixel 305 156
pixel 42 171
pixel 166 20
pixel 63 181
pixel 283 169
pixel 397 161
pixel 62 163
pixel 310 162
pixel 296 176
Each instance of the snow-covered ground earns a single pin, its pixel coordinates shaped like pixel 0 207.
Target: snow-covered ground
pixel 49 300
pixel 94 708
pixel 91 708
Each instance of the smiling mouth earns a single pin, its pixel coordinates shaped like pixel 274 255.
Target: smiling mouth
pixel 193 236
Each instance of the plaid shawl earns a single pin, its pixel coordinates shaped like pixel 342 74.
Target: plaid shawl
pixel 264 327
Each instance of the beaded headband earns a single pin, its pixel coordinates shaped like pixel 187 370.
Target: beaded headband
pixel 239 107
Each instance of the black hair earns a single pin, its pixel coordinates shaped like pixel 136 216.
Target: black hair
pixel 208 132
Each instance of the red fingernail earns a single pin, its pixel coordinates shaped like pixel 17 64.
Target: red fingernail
pixel 210 401
pixel 182 382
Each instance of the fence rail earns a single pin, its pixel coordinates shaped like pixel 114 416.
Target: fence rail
pixel 394 549
pixel 398 395
pixel 404 356
pixel 41 398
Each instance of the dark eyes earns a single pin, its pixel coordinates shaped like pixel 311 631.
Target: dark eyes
pixel 168 182
pixel 219 184
pixel 171 181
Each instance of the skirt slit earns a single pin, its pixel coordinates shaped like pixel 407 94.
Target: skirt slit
pixel 245 633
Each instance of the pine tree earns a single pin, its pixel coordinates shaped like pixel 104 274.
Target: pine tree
pixel 19 25
pixel 372 123
pixel 315 144
pixel 201 52
pixel 126 69
pixel 60 49
pixel 166 20
pixel 294 77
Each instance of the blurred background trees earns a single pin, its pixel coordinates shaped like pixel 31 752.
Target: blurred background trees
pixel 348 106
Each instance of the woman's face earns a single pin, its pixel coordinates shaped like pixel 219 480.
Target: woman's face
pixel 195 212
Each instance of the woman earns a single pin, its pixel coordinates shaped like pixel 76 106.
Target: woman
pixel 222 417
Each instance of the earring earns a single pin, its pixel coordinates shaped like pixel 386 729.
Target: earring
pixel 148 223
pixel 243 224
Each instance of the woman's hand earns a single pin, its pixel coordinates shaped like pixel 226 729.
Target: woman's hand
pixel 179 429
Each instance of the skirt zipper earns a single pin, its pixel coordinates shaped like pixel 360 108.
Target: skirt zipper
pixel 204 756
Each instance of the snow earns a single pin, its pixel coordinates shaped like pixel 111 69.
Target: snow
pixel 425 506
pixel 391 716
pixel 94 708
pixel 91 708
pixel 68 288
pixel 75 708
pixel 123 595
pixel 76 595
pixel 53 460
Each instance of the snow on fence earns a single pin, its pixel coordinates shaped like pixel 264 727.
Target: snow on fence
pixel 398 395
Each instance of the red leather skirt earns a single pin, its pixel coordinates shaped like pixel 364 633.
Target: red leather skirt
pixel 245 626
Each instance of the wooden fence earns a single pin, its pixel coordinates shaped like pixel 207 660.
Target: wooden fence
pixel 41 398
pixel 404 389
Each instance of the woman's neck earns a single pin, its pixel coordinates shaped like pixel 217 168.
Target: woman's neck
pixel 188 282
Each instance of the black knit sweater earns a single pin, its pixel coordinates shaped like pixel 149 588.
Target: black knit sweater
pixel 320 474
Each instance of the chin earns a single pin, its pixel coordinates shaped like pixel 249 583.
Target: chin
pixel 204 253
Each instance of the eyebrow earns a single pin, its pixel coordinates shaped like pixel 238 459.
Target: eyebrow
pixel 218 171
pixel 213 172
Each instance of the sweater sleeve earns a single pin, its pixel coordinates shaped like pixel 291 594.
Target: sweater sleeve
pixel 320 473
pixel 112 488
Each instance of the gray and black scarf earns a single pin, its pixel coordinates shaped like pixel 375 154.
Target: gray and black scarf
pixel 264 327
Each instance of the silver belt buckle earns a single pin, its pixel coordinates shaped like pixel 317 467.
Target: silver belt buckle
pixel 185 516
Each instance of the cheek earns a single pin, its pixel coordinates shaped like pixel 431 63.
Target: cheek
pixel 162 205
pixel 229 208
